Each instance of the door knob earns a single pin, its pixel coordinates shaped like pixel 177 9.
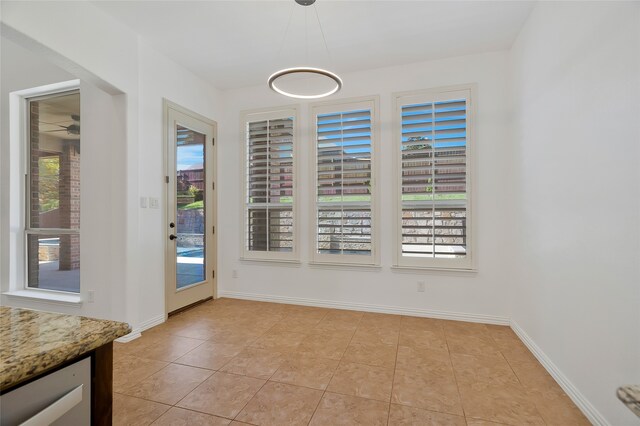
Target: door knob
pixel 172 237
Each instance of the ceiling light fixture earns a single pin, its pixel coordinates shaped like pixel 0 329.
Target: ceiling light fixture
pixel 330 77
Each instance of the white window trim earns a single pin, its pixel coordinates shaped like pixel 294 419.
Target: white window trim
pixel 318 259
pixel 18 134
pixel 47 296
pixel 467 263
pixel 258 115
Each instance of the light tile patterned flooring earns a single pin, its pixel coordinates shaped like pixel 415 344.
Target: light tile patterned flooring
pixel 239 362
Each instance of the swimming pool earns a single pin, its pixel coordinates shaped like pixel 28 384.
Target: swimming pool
pixel 190 251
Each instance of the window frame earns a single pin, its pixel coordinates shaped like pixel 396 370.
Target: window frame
pixel 20 134
pixel 260 115
pixel 400 99
pixel 367 102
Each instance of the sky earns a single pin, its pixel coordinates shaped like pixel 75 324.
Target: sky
pixel 188 155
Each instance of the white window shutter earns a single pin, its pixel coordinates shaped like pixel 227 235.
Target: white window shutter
pixel 269 213
pixel 344 195
pixel 434 180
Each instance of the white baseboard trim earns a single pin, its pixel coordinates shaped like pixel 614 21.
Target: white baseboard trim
pixel 570 389
pixel 145 325
pixel 129 337
pixel 428 313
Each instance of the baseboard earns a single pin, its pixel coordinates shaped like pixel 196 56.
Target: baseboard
pixel 145 325
pixel 427 313
pixel 129 337
pixel 570 389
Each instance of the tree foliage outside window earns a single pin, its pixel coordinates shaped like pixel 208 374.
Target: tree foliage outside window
pixel 49 194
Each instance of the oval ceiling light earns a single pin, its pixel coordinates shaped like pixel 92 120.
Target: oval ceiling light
pixel 334 80
pixel 304 70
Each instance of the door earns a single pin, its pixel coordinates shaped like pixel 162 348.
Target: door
pixel 190 226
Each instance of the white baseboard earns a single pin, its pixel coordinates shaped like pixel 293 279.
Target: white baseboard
pixel 145 325
pixel 570 389
pixel 428 313
pixel 129 337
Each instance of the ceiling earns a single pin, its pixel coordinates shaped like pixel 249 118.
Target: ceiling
pixel 57 113
pixel 240 43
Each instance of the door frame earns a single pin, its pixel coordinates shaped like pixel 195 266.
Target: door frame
pixel 211 217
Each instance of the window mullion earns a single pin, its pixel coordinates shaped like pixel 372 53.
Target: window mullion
pixel 48 231
pixel 342 183
pixel 433 180
pixel 268 198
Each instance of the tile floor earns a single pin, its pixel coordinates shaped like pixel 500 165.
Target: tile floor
pixel 239 362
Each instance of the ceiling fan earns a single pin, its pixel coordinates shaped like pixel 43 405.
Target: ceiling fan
pixel 72 129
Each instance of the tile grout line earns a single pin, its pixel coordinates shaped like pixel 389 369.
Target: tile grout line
pixel 293 352
pixel 464 412
pixel 218 371
pixel 325 390
pixel 519 380
pixel 272 374
pixel 334 371
pixel 395 365
pixel 240 375
pixel 265 382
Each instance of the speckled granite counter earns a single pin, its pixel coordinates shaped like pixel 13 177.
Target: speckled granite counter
pixel 630 395
pixel 33 342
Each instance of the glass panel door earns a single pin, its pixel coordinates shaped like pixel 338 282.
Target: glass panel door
pixel 190 207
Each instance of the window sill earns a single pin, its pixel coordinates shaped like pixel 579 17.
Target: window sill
pixel 56 298
pixel 345 266
pixel 434 269
pixel 274 262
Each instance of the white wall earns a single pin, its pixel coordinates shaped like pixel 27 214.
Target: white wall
pixel 123 245
pixel 480 294
pixel 161 78
pixel 102 140
pixel 576 286
pixel 33 71
pixel 90 45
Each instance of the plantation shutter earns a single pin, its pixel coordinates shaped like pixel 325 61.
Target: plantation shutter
pixel 269 179
pixel 434 179
pixel 343 173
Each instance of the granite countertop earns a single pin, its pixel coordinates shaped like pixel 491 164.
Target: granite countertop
pixel 630 395
pixel 33 342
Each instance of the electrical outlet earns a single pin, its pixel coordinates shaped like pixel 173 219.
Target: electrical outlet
pixel 421 285
pixel 234 273
pixel 154 203
pixel 91 296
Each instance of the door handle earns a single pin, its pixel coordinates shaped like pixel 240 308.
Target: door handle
pixel 172 237
pixel 172 225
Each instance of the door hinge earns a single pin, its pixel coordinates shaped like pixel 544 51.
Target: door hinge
pixel 213 274
pixel 214 229
pixel 213 186
pixel 166 179
pixel 213 141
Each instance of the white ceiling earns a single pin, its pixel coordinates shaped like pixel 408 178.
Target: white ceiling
pixel 238 43
pixel 56 113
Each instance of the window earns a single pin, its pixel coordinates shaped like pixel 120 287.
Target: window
pixel 52 230
pixel 434 147
pixel 344 213
pixel 269 201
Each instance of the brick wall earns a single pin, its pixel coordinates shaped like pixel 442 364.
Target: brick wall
pixel 34 201
pixel 69 209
